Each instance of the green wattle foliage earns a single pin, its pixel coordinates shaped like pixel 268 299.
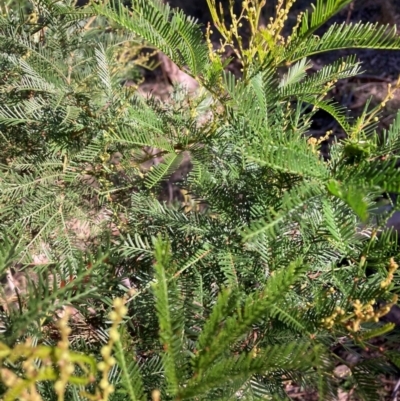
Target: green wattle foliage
pixel 266 270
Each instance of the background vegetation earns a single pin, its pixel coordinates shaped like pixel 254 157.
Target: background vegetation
pixel 273 267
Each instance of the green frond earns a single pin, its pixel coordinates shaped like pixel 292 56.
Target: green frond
pixel 247 314
pixel 14 116
pixel 136 135
pixel 389 143
pixel 9 249
pixel 295 74
pixel 290 159
pixel 225 305
pixel 228 261
pixel 195 258
pixel 130 374
pixel 292 319
pixel 136 247
pixel 290 356
pixel 362 376
pixel 337 111
pixel 173 33
pixel 311 84
pixel 250 99
pixel 163 170
pixel 104 73
pixel 291 204
pixel 340 235
pixel 45 294
pixel 170 318
pixel 344 36
pixel 322 11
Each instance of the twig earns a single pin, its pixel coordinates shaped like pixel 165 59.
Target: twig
pixel 349 12
pixel 395 391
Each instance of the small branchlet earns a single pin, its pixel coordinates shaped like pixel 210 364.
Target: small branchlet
pixel 363 312
pixel 262 41
pixel 44 363
pixel 109 361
